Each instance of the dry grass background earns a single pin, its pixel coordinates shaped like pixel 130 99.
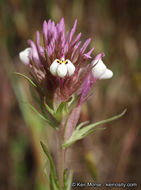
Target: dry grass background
pixel 106 156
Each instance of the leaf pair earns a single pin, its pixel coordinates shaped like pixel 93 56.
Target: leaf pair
pixel 63 109
pixel 80 132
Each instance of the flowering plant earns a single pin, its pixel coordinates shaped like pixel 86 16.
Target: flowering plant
pixel 63 73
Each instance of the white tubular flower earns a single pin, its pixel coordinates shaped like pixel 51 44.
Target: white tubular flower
pixel 24 55
pixel 62 68
pixel 100 71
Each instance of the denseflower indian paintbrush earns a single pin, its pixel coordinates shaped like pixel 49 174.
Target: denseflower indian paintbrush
pixel 63 73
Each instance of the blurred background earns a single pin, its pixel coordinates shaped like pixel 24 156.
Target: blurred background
pixel 111 155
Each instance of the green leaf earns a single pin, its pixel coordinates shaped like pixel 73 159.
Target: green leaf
pixel 34 95
pixel 90 127
pixel 51 111
pixel 52 166
pixel 48 113
pixel 37 99
pixel 40 115
pixel 81 125
pixel 54 185
pixel 51 122
pixel 62 109
pixel 65 179
pixel 80 133
pixel 69 181
pixel 72 102
pixel 45 170
pixel 28 79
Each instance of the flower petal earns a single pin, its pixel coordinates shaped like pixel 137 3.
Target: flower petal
pixel 99 69
pixel 24 55
pixel 107 74
pixel 62 70
pixel 53 67
pixel 70 68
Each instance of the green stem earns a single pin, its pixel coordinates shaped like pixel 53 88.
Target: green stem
pixel 61 157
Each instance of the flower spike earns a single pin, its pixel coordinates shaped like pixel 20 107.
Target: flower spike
pixel 63 58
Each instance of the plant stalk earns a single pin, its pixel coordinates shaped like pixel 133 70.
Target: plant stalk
pixel 61 156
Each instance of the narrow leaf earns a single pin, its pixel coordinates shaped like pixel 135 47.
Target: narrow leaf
pixel 72 103
pixel 49 158
pixel 91 126
pixel 49 109
pixel 37 99
pixel 69 181
pixel 45 170
pixel 60 111
pixel 34 95
pixel 40 115
pixel 82 124
pixel 49 121
pixel 54 185
pixel 80 133
pixel 65 179
pixel 27 78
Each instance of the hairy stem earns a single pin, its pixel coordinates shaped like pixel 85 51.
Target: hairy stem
pixel 72 121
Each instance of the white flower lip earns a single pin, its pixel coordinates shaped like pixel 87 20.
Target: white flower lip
pixel 53 67
pixel 70 67
pixel 100 71
pixel 107 74
pixel 24 55
pixel 62 68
